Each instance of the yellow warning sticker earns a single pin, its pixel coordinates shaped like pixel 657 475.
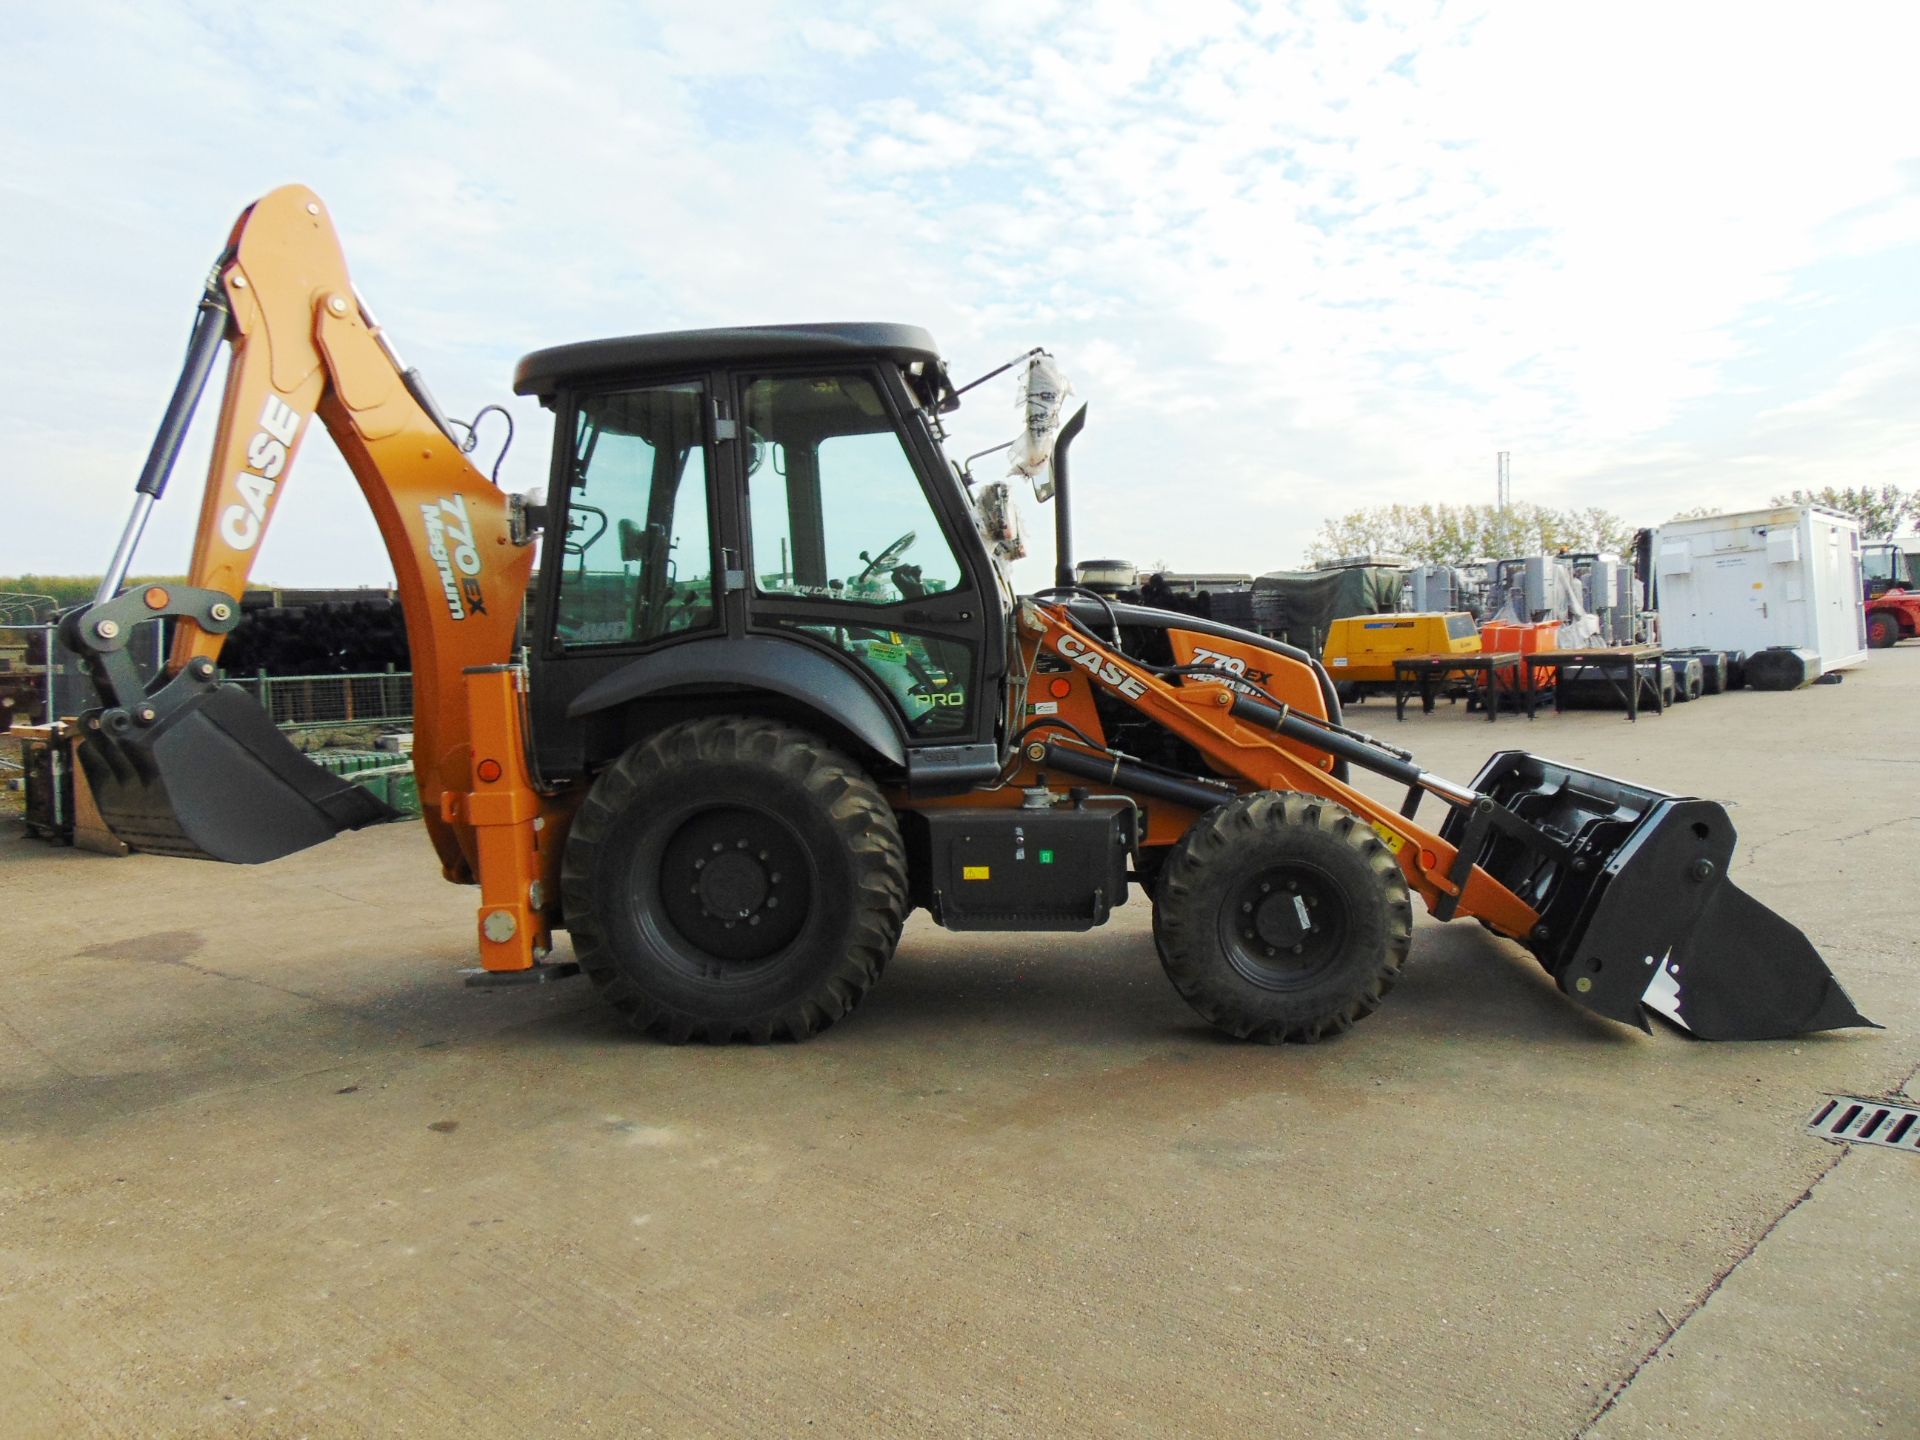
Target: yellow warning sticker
pixel 976 872
pixel 1392 841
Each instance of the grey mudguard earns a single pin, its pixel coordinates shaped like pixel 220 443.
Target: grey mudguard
pixel 755 662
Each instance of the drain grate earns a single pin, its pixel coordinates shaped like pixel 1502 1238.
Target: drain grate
pixel 1868 1122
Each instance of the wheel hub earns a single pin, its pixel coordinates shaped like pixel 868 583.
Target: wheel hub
pixel 1283 918
pixel 735 883
pixel 1283 926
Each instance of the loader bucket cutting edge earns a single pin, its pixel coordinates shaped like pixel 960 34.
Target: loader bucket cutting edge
pixel 1637 911
pixel 215 779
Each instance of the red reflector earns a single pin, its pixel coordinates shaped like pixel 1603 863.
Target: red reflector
pixel 488 769
pixel 1060 689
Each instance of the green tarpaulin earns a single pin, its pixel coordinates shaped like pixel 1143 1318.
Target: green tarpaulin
pixel 1300 606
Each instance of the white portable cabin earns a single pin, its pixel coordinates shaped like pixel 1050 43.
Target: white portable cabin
pixel 1760 578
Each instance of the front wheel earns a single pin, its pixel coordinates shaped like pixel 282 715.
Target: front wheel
pixel 1282 917
pixel 1883 631
pixel 734 878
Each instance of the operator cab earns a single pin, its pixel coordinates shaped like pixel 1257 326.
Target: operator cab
pixel 1890 565
pixel 764 509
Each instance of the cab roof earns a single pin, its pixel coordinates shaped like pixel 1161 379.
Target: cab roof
pixel 545 371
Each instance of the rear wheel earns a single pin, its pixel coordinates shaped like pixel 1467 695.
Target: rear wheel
pixel 1883 630
pixel 1282 917
pixel 734 878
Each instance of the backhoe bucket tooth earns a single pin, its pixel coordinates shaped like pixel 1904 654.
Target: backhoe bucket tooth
pixel 214 779
pixel 1636 909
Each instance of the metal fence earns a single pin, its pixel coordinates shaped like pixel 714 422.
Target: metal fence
pixel 309 702
pixel 45 683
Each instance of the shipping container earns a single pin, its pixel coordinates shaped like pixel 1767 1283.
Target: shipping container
pixel 1762 579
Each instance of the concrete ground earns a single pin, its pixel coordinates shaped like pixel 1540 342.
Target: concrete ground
pixel 266 1168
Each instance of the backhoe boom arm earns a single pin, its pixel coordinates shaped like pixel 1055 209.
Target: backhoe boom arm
pixel 305 349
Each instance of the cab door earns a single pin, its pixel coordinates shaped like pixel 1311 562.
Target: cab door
pixel 629 561
pixel 857 542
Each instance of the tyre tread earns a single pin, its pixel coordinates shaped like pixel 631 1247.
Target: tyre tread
pixel 1188 941
pixel 847 798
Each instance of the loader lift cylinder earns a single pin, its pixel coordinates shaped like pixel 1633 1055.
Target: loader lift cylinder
pixel 1128 775
pixel 1346 746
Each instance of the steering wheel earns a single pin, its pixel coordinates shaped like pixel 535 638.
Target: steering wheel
pixel 887 558
pixel 580 547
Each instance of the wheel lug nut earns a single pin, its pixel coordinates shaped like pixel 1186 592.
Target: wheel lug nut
pixel 739 844
pixel 1293 884
pixel 1246 907
pixel 717 847
pixel 772 902
pixel 754 921
pixel 1298 948
pixel 763 854
pixel 774 878
pixel 1264 888
pixel 700 864
pixel 1269 952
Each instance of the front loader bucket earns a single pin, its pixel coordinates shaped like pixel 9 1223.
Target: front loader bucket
pixel 1636 909
pixel 213 779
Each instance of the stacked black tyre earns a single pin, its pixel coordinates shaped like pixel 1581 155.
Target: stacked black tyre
pixel 734 878
pixel 343 637
pixel 1282 917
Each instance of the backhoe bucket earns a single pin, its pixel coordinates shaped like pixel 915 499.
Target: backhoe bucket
pixel 213 779
pixel 1636 910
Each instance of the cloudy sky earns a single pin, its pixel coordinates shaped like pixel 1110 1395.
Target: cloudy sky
pixel 1297 258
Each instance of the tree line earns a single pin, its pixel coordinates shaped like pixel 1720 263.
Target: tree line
pixel 1445 534
pixel 1442 534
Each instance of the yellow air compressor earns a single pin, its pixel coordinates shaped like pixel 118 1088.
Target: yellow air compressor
pixel 1361 649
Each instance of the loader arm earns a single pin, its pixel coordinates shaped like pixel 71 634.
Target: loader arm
pixel 1619 891
pixel 1238 739
pixel 174 767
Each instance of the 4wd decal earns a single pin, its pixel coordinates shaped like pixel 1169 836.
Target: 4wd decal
pixel 450 544
pixel 1102 669
pixel 267 454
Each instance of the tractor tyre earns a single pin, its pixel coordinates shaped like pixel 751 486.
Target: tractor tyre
pixel 1282 917
pixel 1883 630
pixel 734 878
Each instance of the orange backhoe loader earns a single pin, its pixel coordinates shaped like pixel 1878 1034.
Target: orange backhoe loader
pixel 727 749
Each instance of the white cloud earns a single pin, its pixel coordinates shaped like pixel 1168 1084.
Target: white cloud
pixel 1298 258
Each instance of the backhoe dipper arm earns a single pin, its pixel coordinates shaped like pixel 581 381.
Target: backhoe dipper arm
pixel 305 347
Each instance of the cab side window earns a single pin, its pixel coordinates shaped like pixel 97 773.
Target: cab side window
pixel 638 549
pixel 837 509
pixel 840 524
